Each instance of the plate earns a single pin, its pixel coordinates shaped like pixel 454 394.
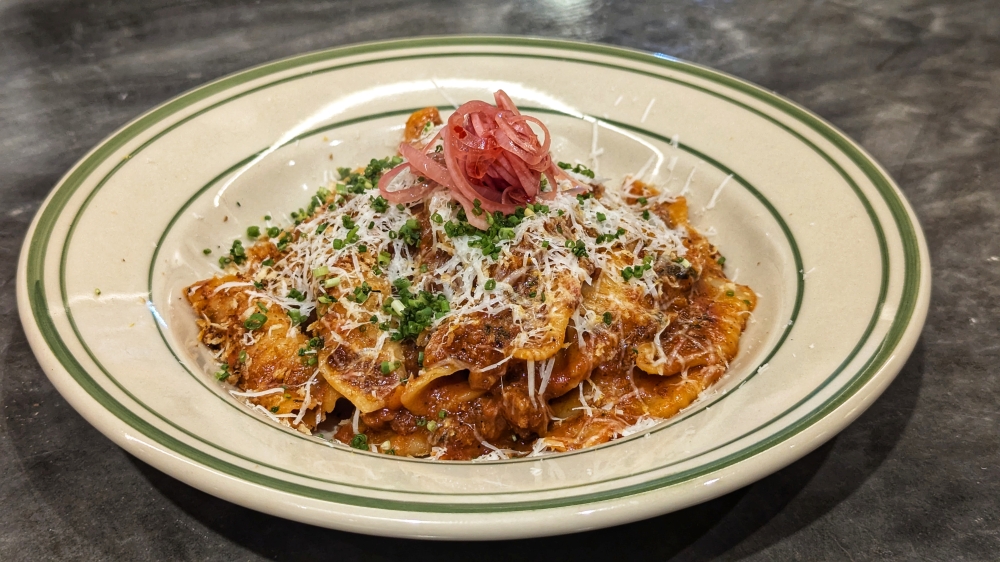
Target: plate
pixel 802 213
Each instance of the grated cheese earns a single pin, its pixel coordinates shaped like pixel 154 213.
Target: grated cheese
pixel 718 190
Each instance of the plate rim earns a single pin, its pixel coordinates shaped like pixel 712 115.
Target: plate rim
pixel 914 246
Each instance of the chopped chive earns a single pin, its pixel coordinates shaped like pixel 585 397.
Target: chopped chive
pixel 607 318
pixel 410 232
pixel 206 251
pixel 398 306
pixel 296 316
pixel 253 231
pixel 255 321
pixel 379 204
pixel 352 235
pixel 360 441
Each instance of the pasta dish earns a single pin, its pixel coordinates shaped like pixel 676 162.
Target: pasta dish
pixel 473 298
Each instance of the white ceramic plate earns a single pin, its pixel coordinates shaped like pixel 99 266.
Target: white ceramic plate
pixel 807 219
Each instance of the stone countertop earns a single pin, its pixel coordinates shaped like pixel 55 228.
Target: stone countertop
pixel 916 82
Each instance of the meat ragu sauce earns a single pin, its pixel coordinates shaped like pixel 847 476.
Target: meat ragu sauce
pixel 574 319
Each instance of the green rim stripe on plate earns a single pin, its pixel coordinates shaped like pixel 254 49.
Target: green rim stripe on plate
pixel 911 278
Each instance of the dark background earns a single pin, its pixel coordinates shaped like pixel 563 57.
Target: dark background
pixel 916 82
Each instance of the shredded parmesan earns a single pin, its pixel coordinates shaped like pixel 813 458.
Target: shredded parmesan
pixel 641 425
pixel 546 373
pixel 718 190
pixel 595 151
pixel 258 393
pixel 645 114
pixel 531 382
pixel 687 184
pixel 305 400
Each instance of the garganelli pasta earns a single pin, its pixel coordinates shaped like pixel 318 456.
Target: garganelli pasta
pixel 472 298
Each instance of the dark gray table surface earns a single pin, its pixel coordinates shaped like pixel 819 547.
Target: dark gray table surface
pixel 916 82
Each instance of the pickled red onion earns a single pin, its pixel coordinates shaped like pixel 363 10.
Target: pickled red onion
pixel 491 155
pixel 424 165
pixel 410 194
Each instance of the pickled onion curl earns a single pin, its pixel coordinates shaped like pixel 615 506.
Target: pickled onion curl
pixel 490 155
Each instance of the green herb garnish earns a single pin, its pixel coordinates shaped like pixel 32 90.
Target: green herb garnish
pixel 360 441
